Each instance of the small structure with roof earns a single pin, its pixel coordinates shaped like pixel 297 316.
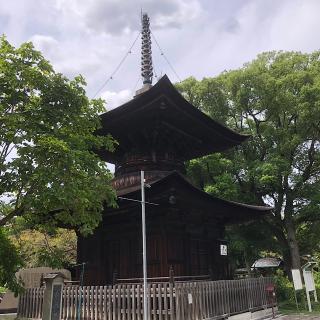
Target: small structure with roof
pixel 267 263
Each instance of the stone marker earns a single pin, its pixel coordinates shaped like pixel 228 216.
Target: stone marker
pixel 52 296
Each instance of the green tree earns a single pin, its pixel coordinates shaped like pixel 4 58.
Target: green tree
pixel 275 99
pixel 10 263
pixel 56 249
pixel 250 242
pixel 49 173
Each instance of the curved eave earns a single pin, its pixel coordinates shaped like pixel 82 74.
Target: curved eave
pixel 244 212
pixel 114 120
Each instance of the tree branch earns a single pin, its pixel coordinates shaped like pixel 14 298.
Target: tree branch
pixel 308 169
pixel 21 211
pixel 14 213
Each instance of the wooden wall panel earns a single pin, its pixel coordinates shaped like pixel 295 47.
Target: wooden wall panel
pixel 186 243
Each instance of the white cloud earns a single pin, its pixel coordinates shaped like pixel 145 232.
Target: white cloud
pixel 230 40
pixel 46 44
pixel 295 26
pixel 111 167
pixel 116 17
pixel 115 99
pixel 200 37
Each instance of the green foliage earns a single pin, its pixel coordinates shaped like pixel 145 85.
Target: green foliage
pixel 57 249
pixel 284 288
pixel 49 172
pixel 249 243
pixel 10 262
pixel 275 99
pixel 286 296
pixel 213 168
pixel 55 257
pixel 308 237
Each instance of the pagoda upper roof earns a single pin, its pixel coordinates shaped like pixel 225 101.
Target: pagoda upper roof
pixel 162 115
pixel 190 197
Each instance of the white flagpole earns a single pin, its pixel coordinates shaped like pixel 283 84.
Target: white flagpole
pixel 144 248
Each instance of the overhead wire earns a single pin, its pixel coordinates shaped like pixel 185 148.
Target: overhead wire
pixel 165 57
pixel 118 66
pixel 155 72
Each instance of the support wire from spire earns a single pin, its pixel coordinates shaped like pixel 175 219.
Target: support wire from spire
pixel 118 66
pixel 165 57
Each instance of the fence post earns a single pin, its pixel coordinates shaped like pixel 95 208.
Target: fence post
pixel 248 287
pixel 172 301
pixel 171 275
pixel 114 277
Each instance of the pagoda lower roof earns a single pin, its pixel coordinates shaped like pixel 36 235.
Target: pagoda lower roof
pixel 187 196
pixel 161 116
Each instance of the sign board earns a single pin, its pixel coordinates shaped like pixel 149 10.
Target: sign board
pixel 308 280
pixel 56 302
pixel 223 250
pixel 296 277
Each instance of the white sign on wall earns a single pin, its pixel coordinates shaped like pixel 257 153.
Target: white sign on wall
pixel 296 277
pixel 223 250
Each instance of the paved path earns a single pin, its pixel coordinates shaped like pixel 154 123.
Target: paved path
pixel 291 317
pixel 10 316
pixel 300 317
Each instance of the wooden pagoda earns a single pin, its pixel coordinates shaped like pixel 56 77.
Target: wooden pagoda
pixel 158 130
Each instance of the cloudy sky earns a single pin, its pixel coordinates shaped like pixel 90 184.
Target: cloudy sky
pixel 199 37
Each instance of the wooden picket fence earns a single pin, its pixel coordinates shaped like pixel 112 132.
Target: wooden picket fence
pixel 210 299
pixel 166 301
pixel 30 303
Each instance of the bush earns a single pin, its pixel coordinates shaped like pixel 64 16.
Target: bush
pixel 286 294
pixel 284 288
pixel 10 263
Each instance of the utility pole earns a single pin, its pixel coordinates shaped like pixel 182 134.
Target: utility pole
pixel 144 241
pixel 144 248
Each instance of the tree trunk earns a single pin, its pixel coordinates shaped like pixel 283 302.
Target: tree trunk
pixel 246 261
pixel 287 262
pixel 292 243
pixel 279 231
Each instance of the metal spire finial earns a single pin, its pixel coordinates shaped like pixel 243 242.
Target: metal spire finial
pixel 146 53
